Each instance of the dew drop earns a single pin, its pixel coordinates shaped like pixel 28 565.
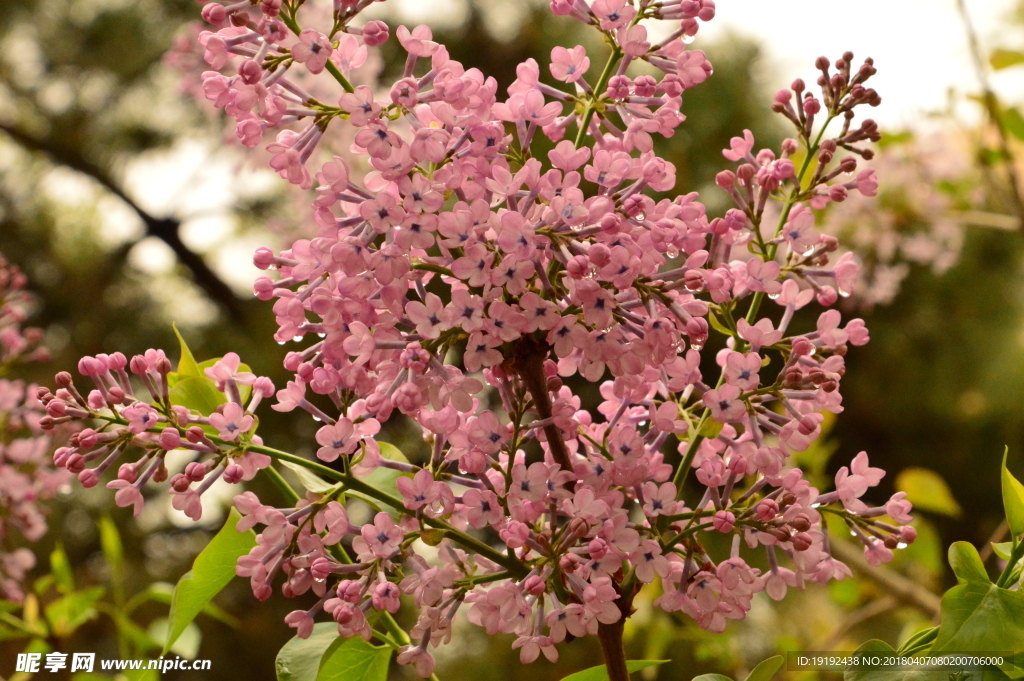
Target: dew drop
pixel 815 505
pixel 280 342
pixel 773 296
pixel 297 338
pixel 808 251
pixel 687 39
pixel 322 335
pixel 640 217
pixel 842 293
pixel 901 545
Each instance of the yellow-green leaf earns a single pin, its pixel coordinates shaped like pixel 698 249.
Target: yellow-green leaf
pixel 928 491
pixel 213 568
pixel 1013 499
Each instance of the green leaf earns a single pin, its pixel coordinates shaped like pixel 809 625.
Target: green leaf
pixel 895 139
pixel 967 564
pixel 1013 499
pixel 1014 123
pixel 187 366
pixel 710 429
pixel 928 491
pixel 213 568
pixel 299 659
pixel 187 644
pixel 310 480
pixel 162 592
pixel 353 659
pixel 60 567
pixel 72 611
pixel 243 390
pixel 977 615
pixel 923 638
pixel 391 452
pixel 197 393
pixel 1002 59
pixel 599 673
pixel 883 649
pixel 110 542
pixel 718 325
pixel 766 669
pixel 1002 549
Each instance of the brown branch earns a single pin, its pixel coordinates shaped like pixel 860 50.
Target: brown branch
pixel 529 365
pixel 992 107
pixel 166 229
pixel 610 637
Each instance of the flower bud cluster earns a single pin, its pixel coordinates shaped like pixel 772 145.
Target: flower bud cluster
pixel 145 427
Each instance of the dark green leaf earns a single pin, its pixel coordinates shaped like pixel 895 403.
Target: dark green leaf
pixel 353 659
pixel 299 659
pixel 977 615
pixel 213 568
pixel 883 649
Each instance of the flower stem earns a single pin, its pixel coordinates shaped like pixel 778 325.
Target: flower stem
pixel 602 83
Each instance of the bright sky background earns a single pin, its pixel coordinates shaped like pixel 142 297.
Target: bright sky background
pixel 919 46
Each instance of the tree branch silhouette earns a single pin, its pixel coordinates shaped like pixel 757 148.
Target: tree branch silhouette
pixel 164 228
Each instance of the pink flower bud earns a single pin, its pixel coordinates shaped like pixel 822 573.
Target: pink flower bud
pixel 375 33
pixel 723 521
pixel 233 473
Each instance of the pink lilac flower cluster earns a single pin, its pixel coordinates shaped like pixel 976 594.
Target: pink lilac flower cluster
pixel 28 478
pixel 919 216
pixel 17 342
pixel 157 423
pixel 465 283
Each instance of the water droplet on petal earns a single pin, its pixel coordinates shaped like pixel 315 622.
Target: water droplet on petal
pixel 687 39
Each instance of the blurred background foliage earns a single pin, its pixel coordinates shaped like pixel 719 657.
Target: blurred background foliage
pixel 127 213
